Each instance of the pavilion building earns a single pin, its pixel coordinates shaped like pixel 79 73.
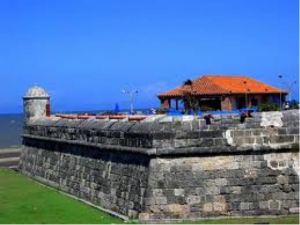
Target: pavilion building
pixel 226 93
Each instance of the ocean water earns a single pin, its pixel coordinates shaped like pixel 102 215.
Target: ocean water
pixel 11 126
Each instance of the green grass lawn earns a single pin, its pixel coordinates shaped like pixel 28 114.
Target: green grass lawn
pixel 24 201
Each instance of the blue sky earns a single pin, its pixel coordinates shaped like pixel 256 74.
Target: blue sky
pixel 84 52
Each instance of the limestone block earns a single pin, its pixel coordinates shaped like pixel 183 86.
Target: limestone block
pixel 229 137
pixel 158 193
pixel 295 187
pixel 271 119
pixel 245 206
pixel 179 192
pixel 219 207
pixel 176 210
pixel 294 210
pixel 166 119
pixel 160 200
pixel 274 204
pixel 282 179
pixel 196 167
pixel 221 182
pixel 144 216
pixel 208 208
pixel 192 200
pixel 187 118
pixel 236 189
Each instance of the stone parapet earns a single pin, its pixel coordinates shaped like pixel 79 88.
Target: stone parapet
pixel 166 168
pixel 159 137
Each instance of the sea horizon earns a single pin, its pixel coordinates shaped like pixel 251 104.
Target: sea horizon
pixel 11 126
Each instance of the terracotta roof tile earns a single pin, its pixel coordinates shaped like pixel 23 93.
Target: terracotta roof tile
pixel 217 84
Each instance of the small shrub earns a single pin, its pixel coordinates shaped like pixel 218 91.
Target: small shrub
pixel 160 111
pixel 294 104
pixel 269 106
pixel 190 102
pixel 205 108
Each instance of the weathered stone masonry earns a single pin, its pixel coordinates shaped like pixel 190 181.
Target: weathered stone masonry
pixel 166 168
pixel 114 181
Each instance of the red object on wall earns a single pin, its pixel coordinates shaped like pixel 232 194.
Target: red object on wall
pixel 136 118
pixel 118 117
pixel 48 113
pixel 102 117
pixel 84 116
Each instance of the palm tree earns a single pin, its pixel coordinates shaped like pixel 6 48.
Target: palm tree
pixel 188 82
pixel 189 101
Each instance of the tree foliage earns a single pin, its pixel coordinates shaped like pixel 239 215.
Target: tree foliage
pixel 189 100
pixel 269 106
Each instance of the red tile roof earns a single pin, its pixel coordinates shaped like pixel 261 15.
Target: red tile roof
pixel 217 84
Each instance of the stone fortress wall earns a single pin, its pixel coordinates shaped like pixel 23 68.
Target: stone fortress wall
pixel 170 167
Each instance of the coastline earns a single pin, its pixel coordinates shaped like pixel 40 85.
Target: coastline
pixel 10 157
pixel 10 149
